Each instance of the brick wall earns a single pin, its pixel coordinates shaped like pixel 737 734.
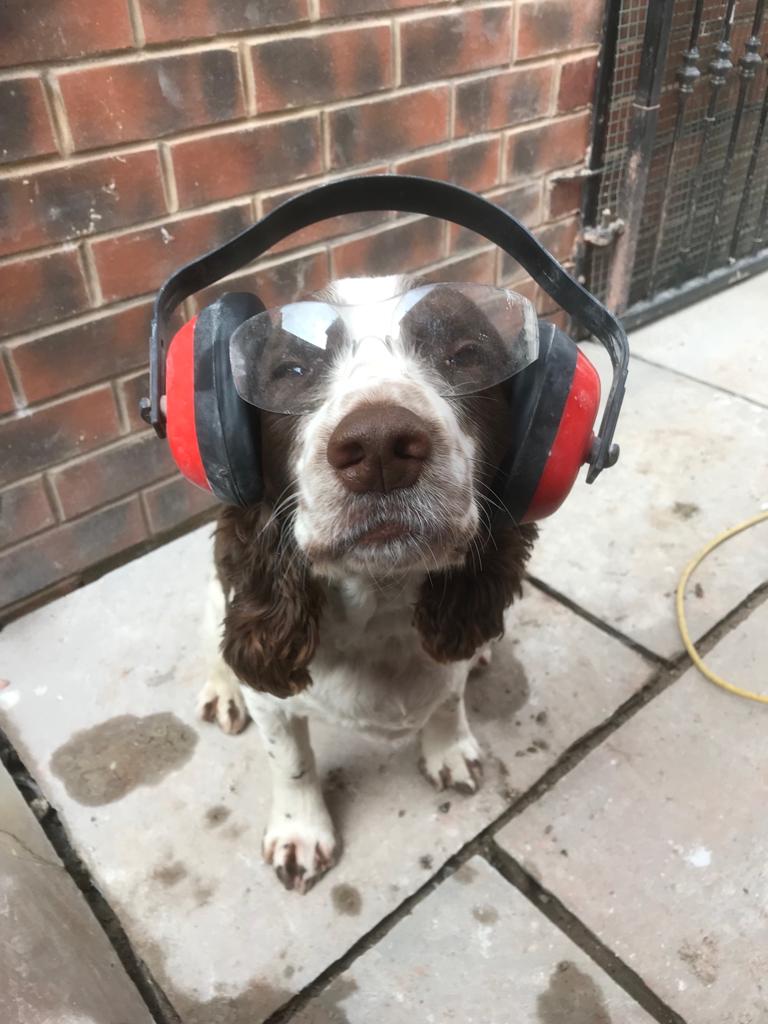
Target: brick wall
pixel 136 134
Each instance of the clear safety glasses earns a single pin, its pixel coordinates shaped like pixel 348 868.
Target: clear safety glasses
pixel 464 337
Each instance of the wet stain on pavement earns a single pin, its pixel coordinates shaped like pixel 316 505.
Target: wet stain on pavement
pixel 485 914
pixel 215 816
pixel 325 1009
pixel 101 764
pixel 501 690
pixel 346 900
pixel 572 997
pixel 466 874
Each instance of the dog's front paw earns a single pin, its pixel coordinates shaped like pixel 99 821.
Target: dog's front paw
pixel 300 842
pixel 457 766
pixel 221 701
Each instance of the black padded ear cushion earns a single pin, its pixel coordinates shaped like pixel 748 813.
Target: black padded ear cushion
pixel 227 427
pixel 538 395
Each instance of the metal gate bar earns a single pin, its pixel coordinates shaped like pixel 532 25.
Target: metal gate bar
pixel 680 155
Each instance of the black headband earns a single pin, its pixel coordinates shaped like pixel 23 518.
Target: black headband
pixel 406 195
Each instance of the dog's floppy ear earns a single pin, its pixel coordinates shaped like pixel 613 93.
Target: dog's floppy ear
pixel 273 605
pixel 461 609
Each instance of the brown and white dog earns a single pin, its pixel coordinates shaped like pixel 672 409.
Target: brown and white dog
pixel 368 582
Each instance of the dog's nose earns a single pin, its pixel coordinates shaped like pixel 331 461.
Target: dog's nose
pixel 379 448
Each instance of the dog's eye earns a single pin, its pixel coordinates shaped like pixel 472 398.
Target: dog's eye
pixel 290 370
pixel 464 356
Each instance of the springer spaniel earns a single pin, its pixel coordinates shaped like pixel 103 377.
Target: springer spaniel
pixel 369 581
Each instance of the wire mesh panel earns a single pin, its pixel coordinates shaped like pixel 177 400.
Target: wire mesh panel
pixel 703 198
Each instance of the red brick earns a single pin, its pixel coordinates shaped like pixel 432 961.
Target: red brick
pixel 176 501
pixel 559 239
pixel 146 99
pixel 577 83
pixel 299 71
pixel 7 403
pixel 31 30
pixel 130 390
pixel 564 197
pixel 108 192
pixel 76 356
pixel 45 437
pixel 554 145
pixel 346 8
pixel 510 97
pixel 523 202
pixel 395 250
pixel 376 129
pixel 138 262
pixel 552 26
pixel 324 229
pixel 69 549
pixel 479 267
pixel 240 162
pixel 474 165
pixel 452 44
pixel 24 510
pixel 282 282
pixel 40 290
pixel 111 473
pixel 167 20
pixel 27 130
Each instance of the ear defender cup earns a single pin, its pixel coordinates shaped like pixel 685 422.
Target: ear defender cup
pixel 556 400
pixel 213 434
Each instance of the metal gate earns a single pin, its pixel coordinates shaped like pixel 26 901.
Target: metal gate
pixel 676 201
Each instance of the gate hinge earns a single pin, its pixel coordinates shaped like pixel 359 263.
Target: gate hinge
pixel 606 232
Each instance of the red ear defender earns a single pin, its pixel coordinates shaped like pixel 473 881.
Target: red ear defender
pixel 555 402
pixel 180 405
pixel 572 444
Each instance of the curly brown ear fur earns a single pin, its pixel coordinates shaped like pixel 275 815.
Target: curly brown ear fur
pixel 461 609
pixel 273 605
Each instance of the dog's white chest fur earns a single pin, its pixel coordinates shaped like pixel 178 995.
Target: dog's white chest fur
pixel 370 670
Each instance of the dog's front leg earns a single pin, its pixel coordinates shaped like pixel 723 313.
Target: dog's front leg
pixel 299 841
pixel 450 753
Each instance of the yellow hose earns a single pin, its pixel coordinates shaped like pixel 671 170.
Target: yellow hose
pixel 680 606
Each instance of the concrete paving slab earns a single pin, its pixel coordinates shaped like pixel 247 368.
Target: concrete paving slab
pixel 56 964
pixel 666 834
pixel 475 951
pixel 693 463
pixel 720 340
pixel 168 812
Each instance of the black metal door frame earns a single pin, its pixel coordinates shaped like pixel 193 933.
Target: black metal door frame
pixel 607 256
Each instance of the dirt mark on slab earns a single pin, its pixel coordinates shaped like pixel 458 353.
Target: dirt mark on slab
pixel 685 509
pixel 703 959
pixel 572 997
pixel 101 764
pixel 170 874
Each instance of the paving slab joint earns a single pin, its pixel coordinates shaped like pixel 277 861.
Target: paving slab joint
pixel 158 1005
pixel 575 929
pixel 605 627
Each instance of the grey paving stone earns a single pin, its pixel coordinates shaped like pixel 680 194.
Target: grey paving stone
pixel 477 952
pixel 171 827
pixel 721 340
pixel 666 837
pixel 56 964
pixel 693 463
